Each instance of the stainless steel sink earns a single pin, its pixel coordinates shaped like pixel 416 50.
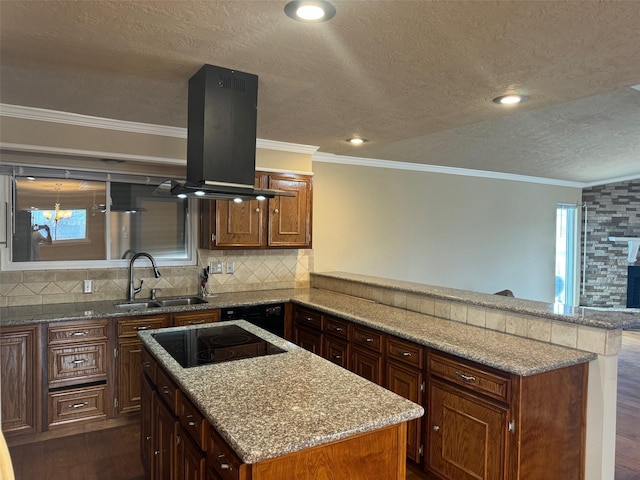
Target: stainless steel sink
pixel 175 302
pixel 136 305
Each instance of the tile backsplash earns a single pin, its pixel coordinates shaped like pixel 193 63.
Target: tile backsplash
pixel 254 270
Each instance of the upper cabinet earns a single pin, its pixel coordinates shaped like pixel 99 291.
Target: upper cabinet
pixel 281 222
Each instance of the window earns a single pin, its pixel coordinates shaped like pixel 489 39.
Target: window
pixel 103 221
pixel 565 254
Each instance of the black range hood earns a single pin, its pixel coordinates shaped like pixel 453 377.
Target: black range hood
pixel 221 138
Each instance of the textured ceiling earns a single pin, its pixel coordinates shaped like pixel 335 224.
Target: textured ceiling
pixel 416 78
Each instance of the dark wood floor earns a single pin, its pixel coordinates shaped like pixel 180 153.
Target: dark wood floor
pixel 113 454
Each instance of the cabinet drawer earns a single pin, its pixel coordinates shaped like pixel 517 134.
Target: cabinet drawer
pixel 308 319
pixel 193 422
pixel 149 365
pixel 405 352
pixel 336 351
pixel 221 459
pixel 131 326
pixel 167 389
pixel 77 332
pixel 196 318
pixel 367 338
pixel 79 363
pixel 471 376
pixel 336 327
pixel 78 404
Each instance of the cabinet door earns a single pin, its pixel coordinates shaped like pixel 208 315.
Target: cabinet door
pixel 165 442
pixel 18 380
pixel 191 464
pixel 240 224
pixel 308 339
pixel 336 351
pixel 129 374
pixel 407 382
pixel 467 435
pixel 147 425
pixel 290 217
pixel 367 364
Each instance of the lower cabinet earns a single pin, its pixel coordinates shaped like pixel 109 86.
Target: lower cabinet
pixel 129 359
pixel 19 382
pixel 467 437
pixel 407 382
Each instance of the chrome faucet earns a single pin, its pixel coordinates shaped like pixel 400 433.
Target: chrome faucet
pixel 133 290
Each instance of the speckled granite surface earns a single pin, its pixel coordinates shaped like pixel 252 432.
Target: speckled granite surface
pixel 507 352
pixel 555 311
pixel 264 410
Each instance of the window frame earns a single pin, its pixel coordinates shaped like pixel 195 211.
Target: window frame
pixel 7 197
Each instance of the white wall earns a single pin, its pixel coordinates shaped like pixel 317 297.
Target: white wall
pixel 472 233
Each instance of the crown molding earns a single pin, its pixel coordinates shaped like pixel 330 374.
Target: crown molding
pixel 627 178
pixel 68 118
pixel 74 152
pixel 419 167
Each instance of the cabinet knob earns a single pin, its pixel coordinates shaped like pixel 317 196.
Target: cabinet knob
pixel 436 428
pixel 338 329
pixel 223 465
pixel 368 340
pixel 148 437
pixel 338 357
pixel 257 210
pixel 276 211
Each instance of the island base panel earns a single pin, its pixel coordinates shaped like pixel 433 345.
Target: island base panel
pixel 378 454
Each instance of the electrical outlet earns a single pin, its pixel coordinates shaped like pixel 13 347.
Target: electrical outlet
pixel 87 286
pixel 231 267
pixel 215 267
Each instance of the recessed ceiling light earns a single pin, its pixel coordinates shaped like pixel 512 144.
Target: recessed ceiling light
pixel 356 140
pixel 310 11
pixel 237 200
pixel 636 87
pixel 199 193
pixel 261 198
pixel 182 195
pixel 511 99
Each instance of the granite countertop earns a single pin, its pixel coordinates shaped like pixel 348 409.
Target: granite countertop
pixel 510 353
pixel 263 408
pixel 594 317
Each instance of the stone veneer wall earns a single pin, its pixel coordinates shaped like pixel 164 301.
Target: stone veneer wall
pixel 254 270
pixel 613 210
pixel 597 340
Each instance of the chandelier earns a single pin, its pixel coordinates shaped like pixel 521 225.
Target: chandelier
pixel 56 214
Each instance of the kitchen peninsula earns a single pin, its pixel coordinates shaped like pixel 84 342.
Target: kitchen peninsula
pixel 286 415
pixel 516 337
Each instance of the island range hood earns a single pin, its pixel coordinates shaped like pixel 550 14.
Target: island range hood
pixel 221 138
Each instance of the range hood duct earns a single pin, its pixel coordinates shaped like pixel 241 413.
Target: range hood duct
pixel 221 137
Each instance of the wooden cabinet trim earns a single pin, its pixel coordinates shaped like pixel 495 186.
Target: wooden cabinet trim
pixel 77 332
pixel 196 318
pixel 129 327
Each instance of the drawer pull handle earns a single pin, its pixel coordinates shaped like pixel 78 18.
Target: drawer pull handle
pixel 195 322
pixel 368 340
pixel 157 452
pixel 142 327
pixel 223 465
pixel 190 420
pixel 465 378
pixel 338 357
pixel 165 389
pixel 308 319
pixel 339 329
pixel 79 405
pixel 78 362
pixel 404 354
pixel 148 437
pixel 80 334
pixel 436 428
pixel 147 364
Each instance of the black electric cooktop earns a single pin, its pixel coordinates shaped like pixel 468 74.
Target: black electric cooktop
pixel 201 346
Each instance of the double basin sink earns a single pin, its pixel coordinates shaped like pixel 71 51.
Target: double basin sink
pixel 158 303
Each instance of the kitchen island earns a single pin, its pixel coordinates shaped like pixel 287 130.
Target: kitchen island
pixel 334 424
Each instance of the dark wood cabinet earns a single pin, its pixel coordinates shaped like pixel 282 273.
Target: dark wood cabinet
pixel 404 375
pixel 290 217
pixel 165 453
pixel 190 462
pixel 195 318
pixel 307 330
pixel 78 372
pixel 147 425
pixel 19 383
pixel 279 222
pixel 336 351
pixel 467 438
pixel 129 359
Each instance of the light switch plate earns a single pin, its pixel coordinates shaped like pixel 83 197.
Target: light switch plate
pixel 231 267
pixel 215 267
pixel 87 286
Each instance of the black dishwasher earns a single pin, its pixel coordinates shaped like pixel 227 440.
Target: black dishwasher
pixel 268 317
